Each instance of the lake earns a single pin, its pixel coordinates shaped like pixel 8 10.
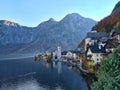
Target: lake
pixel 26 74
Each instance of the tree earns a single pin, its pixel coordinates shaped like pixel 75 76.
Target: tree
pixel 108 27
pixel 109 73
pixel 117 25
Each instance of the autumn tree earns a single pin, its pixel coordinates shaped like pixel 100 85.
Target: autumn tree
pixel 117 25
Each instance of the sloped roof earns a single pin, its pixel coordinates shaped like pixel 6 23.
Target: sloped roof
pixel 82 43
pixel 96 49
pixel 96 35
pixel 64 52
pixel 117 31
pixel 103 39
pixel 111 44
pixel 114 32
pixel 72 51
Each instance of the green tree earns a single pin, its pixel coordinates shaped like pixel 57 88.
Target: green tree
pixel 109 73
pixel 108 27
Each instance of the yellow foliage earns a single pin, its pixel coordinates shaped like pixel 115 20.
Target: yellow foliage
pixel 90 63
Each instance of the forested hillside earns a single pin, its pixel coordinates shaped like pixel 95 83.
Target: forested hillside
pixel 110 22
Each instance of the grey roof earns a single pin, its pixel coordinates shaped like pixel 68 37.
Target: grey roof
pixel 117 31
pixel 114 31
pixel 96 49
pixel 77 52
pixel 103 39
pixel 96 35
pixel 112 43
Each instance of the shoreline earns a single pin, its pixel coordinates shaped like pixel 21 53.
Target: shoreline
pixel 9 57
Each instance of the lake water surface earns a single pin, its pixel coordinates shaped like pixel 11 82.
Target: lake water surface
pixel 26 74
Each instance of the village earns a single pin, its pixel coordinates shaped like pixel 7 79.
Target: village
pixel 96 46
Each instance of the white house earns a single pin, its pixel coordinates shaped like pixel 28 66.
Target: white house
pixel 95 53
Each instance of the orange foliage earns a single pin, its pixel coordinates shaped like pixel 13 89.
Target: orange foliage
pixel 111 19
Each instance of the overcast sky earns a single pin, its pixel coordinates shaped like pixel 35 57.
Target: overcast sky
pixel 33 12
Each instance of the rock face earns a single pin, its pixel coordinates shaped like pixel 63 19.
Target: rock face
pixel 67 33
pixel 13 33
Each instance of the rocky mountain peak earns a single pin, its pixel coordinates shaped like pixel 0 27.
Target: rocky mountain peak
pixel 8 23
pixel 73 16
pixel 52 20
pixel 49 22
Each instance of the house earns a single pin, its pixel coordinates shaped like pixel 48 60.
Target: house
pixel 110 45
pixel 69 54
pixel 64 53
pixel 95 53
pixel 113 41
pixel 73 54
pixel 115 34
pixel 93 37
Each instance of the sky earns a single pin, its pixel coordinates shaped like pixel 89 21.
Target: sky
pixel 33 12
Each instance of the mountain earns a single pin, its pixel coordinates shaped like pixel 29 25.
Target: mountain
pixel 12 33
pixel 110 22
pixel 68 32
pixel 117 6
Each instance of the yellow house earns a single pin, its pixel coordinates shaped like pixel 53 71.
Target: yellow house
pixel 95 53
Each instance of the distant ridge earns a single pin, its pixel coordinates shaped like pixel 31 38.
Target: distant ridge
pixel 67 33
pixel 8 23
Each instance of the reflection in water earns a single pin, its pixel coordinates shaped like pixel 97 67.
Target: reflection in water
pixel 26 84
pixel 26 74
pixel 59 66
pixel 23 84
pixel 54 64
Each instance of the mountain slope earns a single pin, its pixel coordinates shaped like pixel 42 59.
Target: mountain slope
pixel 110 22
pixel 66 33
pixel 116 6
pixel 46 36
pixel 12 33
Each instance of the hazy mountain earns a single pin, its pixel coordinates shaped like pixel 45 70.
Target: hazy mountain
pixel 12 33
pixel 67 33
